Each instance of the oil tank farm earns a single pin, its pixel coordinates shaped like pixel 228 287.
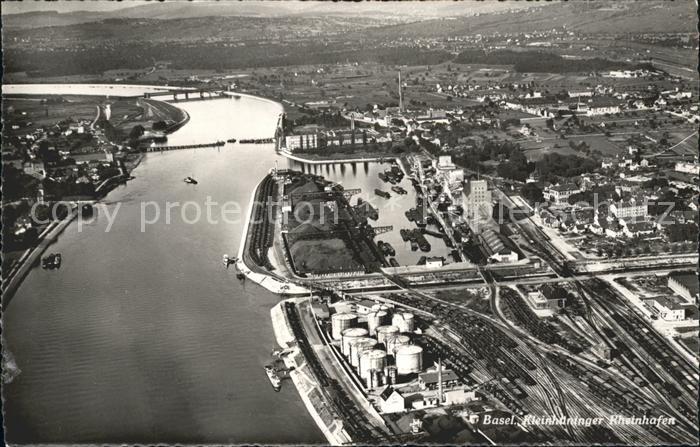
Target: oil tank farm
pixel 384 332
pixel 409 359
pixel 374 360
pixel 340 322
pixel 375 319
pixel 393 343
pixel 349 335
pixel 359 346
pixel 404 321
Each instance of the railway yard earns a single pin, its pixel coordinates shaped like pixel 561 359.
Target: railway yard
pixel 528 342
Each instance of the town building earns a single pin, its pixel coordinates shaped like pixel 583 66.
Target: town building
pixel 580 93
pixel 561 193
pixel 666 309
pixel 602 106
pixel 688 168
pixel 391 401
pixel 629 209
pixel 434 262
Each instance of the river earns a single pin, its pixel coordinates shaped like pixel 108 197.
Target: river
pixel 144 336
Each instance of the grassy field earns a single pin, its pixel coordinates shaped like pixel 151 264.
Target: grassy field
pixel 42 113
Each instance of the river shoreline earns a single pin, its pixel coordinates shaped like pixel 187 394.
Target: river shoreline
pixel 31 256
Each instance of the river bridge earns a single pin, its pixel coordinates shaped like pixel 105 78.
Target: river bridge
pixel 195 93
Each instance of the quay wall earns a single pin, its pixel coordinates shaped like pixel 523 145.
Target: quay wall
pixel 31 256
pixel 285 338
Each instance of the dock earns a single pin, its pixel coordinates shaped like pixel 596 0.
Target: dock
pixel 185 146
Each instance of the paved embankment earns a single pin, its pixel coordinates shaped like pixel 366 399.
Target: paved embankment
pixel 308 389
pixel 271 282
pixel 31 256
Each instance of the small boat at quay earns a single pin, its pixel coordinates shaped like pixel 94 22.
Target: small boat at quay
pixel 273 377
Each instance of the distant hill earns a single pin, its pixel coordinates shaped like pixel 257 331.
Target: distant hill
pixel 394 11
pixel 648 16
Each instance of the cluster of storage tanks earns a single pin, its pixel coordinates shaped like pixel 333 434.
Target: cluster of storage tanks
pixel 381 352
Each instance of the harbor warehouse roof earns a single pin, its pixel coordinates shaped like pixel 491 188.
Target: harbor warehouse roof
pixel 688 280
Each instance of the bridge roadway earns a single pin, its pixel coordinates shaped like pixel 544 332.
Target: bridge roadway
pixel 202 92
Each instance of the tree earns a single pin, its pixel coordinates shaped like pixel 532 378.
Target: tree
pixel 532 193
pixel 136 132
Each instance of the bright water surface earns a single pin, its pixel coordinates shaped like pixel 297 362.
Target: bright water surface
pixel 145 336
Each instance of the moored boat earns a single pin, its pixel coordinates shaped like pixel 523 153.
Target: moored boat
pixel 381 193
pixel 274 378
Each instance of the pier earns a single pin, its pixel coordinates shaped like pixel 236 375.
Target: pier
pixel 186 146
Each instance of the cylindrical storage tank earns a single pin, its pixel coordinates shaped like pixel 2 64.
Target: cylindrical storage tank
pixel 358 346
pixel 409 359
pixel 369 360
pixel 376 319
pixel 340 322
pixel 404 321
pixel 350 334
pixel 384 332
pixel 393 342
pixel 391 375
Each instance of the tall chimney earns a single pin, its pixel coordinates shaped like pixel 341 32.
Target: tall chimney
pixel 439 382
pixel 400 94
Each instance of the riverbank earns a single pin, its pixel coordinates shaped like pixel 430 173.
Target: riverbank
pixel 308 389
pixel 32 256
pixel 265 279
pixel 325 161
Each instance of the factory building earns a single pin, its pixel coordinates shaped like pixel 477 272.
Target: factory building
pixel 685 284
pixel 476 194
pixel 429 379
pixel 495 248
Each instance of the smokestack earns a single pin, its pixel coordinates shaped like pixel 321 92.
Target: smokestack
pixel 400 94
pixel 439 382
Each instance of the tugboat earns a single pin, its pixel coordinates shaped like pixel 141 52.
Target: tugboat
pixel 399 190
pixel 381 193
pixel 228 261
pixel 274 379
pixel 190 180
pixel 51 261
